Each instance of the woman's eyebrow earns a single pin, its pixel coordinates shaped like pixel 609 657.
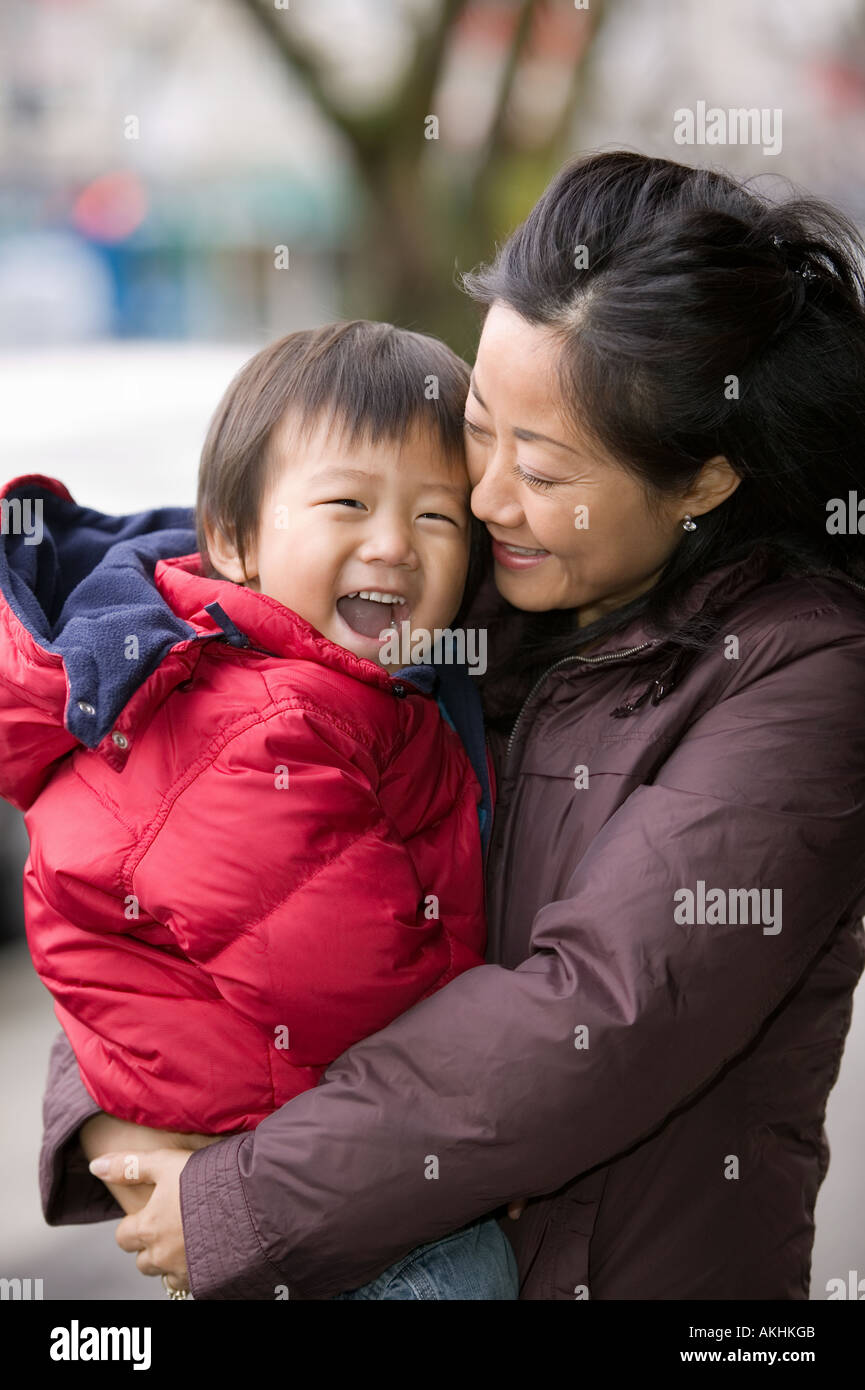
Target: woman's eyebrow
pixel 515 430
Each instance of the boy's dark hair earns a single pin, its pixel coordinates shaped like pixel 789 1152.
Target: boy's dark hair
pixel 708 320
pixel 372 378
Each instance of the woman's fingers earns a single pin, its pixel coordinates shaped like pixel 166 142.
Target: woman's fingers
pixel 155 1233
pixel 133 1236
pixel 128 1235
pixel 147 1264
pixel 516 1209
pixel 127 1167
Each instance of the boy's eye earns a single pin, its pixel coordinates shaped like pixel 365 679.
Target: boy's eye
pixel 439 516
pixel 343 502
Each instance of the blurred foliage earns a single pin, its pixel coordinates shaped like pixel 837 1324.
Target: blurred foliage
pixel 430 210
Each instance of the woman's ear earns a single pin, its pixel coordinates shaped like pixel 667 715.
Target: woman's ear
pixel 226 559
pixel 716 481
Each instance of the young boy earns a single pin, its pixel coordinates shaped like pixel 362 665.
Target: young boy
pixel 253 841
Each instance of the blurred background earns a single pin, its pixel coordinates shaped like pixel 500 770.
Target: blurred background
pixel 183 180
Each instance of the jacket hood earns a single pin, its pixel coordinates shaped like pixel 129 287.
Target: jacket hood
pixel 72 593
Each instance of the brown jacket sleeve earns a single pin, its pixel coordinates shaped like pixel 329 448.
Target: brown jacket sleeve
pixel 70 1194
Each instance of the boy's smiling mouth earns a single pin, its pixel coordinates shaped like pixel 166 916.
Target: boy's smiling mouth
pixel 368 612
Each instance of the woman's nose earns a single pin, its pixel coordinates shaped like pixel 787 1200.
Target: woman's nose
pixel 493 498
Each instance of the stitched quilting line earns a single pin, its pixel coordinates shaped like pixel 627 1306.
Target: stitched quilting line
pixel 280 902
pixel 397 744
pixel 206 759
pixel 107 805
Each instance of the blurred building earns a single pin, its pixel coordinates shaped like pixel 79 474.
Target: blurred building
pixel 154 156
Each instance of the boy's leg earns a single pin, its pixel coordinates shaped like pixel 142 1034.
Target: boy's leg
pixel 475 1263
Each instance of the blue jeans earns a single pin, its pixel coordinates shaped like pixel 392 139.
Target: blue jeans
pixel 475 1262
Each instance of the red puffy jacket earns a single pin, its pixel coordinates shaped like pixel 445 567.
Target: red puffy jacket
pixel 271 853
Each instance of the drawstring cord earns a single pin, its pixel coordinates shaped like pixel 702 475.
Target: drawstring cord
pixel 658 687
pixel 232 634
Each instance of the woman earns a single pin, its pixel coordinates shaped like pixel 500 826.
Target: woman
pixel 665 411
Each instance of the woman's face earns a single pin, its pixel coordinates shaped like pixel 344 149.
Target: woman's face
pixel 570 527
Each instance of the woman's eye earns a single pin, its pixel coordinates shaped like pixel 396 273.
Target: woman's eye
pixel 544 484
pixel 472 428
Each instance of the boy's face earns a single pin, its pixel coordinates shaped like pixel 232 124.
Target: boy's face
pixel 390 519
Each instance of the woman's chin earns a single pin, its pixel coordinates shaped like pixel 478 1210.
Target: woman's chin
pixel 530 590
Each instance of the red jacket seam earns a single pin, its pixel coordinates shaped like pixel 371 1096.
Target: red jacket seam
pixel 206 760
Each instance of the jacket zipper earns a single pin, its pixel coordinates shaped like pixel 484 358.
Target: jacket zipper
pixel 588 660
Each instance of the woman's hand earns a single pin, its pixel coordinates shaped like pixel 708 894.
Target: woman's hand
pixel 103 1134
pixel 155 1233
pixel 516 1209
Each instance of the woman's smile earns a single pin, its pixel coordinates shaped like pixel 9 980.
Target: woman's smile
pixel 517 557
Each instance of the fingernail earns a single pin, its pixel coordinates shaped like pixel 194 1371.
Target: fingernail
pixel 99 1167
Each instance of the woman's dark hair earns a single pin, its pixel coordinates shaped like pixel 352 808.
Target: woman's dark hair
pixel 706 320
pixel 374 380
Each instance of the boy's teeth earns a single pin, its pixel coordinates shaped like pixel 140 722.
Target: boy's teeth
pixel 377 596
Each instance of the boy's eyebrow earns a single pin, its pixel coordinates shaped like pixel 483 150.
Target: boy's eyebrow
pixel 361 475
pixel 520 433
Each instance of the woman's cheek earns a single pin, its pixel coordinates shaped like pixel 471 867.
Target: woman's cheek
pixel 567 531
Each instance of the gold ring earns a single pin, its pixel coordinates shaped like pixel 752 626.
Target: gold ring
pixel 173 1293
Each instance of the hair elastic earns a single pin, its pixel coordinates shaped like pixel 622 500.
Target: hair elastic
pixel 803 269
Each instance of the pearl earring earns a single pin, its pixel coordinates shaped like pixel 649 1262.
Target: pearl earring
pixel 689 524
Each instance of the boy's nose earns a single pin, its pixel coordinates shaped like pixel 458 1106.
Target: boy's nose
pixel 389 543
